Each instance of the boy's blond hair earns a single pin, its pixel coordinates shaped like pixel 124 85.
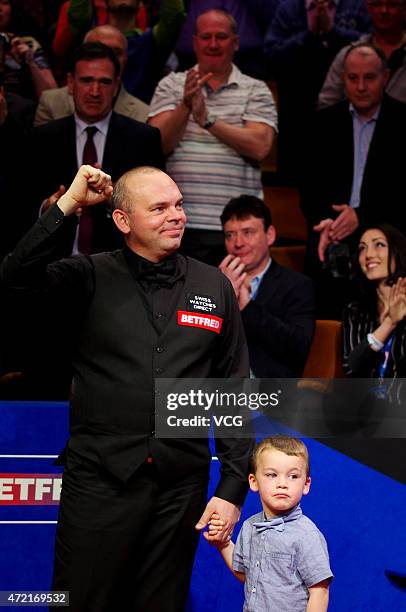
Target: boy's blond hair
pixel 290 446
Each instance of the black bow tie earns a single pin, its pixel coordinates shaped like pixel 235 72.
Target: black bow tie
pixel 162 273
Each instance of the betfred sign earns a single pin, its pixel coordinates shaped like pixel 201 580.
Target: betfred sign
pixel 30 489
pixel 209 322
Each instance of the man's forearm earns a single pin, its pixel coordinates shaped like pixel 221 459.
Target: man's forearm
pixel 67 205
pixel 254 140
pixel 42 78
pixel 172 125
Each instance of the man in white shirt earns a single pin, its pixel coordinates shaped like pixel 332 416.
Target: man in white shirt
pixel 217 124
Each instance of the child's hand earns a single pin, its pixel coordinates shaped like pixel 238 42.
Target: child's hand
pixel 215 526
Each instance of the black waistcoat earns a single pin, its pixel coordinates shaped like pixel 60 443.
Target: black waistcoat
pixel 120 353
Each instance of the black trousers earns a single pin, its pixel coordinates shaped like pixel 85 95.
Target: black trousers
pixel 126 546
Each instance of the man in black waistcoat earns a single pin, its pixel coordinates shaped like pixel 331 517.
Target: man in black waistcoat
pixel 130 502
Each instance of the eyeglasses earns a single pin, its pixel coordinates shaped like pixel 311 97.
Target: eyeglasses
pixel 390 4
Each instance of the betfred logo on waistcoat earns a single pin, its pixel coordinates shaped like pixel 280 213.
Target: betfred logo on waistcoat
pixel 191 319
pixel 30 489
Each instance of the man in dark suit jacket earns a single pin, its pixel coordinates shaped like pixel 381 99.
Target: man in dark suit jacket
pixel 354 175
pixel 276 303
pixel 121 143
pixel 348 186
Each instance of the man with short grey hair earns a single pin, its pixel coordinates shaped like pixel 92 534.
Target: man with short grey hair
pixel 353 173
pixel 217 124
pixel 301 42
pixel 388 19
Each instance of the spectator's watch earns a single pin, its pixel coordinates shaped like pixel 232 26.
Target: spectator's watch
pixel 210 121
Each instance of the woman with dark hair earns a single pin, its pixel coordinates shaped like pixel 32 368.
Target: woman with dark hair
pixel 374 328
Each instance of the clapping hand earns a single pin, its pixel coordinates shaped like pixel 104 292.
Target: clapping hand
pixel 397 301
pixel 193 85
pixel 324 228
pixel 234 269
pixel 345 224
pixel 199 109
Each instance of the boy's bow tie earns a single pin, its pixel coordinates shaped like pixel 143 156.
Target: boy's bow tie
pixel 276 523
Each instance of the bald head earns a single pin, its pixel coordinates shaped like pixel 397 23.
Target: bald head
pixel 215 13
pixel 365 76
pixel 366 51
pixel 111 37
pixel 130 185
pixel 148 210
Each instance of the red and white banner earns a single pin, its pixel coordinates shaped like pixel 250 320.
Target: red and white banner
pixel 191 319
pixel 30 489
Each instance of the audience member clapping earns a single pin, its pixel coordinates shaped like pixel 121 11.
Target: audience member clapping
pixel 353 174
pixel 374 327
pixel 216 125
pixel 302 41
pixel 252 17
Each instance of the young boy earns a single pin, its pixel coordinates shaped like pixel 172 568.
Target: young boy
pixel 280 554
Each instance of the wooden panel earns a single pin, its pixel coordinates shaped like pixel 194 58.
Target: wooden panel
pixel 325 357
pixel 289 256
pixel 286 215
